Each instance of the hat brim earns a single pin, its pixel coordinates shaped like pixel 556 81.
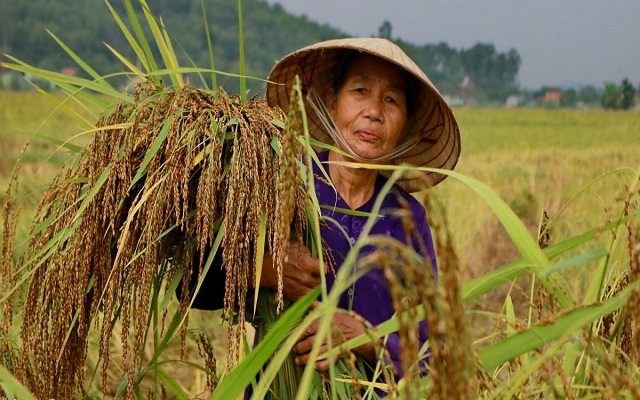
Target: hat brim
pixel 432 119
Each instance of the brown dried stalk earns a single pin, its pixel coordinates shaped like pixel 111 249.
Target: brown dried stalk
pixel 161 175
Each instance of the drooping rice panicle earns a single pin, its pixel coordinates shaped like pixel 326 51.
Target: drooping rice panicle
pixel 162 174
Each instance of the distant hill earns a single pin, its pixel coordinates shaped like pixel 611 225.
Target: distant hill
pixel 85 25
pixel 269 34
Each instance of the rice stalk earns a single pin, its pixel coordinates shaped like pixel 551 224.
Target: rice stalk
pixel 162 174
pixel 453 367
pixel 9 277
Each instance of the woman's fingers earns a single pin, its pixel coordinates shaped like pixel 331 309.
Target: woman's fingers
pixel 300 273
pixel 301 256
pixel 305 345
pixel 322 364
pixel 297 283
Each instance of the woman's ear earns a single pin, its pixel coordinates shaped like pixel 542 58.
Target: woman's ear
pixel 331 100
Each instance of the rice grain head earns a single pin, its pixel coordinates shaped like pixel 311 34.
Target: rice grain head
pixel 162 175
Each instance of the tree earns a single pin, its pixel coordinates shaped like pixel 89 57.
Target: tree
pixel 588 95
pixel 385 30
pixel 494 73
pixel 85 27
pixel 568 98
pixel 618 97
pixel 611 97
pixel 628 93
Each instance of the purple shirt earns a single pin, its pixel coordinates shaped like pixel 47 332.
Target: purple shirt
pixel 370 296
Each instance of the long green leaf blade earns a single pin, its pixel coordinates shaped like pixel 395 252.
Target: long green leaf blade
pixel 12 386
pixel 234 384
pixel 86 67
pixel 541 335
pixel 166 52
pixel 146 55
pixel 153 150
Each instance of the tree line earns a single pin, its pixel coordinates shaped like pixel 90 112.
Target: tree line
pixel 480 72
pixel 269 33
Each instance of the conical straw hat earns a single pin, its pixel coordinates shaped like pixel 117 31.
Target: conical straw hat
pixel 432 119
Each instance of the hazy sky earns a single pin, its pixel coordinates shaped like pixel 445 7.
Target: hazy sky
pixel 560 41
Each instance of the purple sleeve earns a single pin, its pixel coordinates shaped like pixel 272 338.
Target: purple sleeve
pixel 394 350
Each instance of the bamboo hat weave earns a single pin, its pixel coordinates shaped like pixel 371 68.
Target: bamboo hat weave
pixel 432 119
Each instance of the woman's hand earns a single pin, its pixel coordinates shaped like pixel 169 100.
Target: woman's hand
pixel 300 273
pixel 343 328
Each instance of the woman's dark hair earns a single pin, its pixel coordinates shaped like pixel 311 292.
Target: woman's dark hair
pixel 342 67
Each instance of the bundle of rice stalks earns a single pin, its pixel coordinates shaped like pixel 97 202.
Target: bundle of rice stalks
pixel 170 174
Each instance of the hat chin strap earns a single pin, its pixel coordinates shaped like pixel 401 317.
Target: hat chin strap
pixel 330 127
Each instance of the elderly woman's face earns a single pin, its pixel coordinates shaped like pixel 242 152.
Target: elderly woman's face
pixel 370 110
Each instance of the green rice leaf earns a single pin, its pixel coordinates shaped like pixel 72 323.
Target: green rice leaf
pixel 126 62
pixel 351 212
pixel 94 190
pixel 510 388
pixel 75 96
pixel 41 256
pixel 173 327
pixel 166 52
pixel 262 236
pixel 210 257
pixel 145 54
pixel 153 150
pixel 12 388
pixel 573 261
pixel 170 55
pixel 243 81
pixel 76 58
pixel 234 384
pixel 69 83
pixel 564 325
pixel 171 290
pixel 594 292
pixel 137 49
pixel 492 279
pixel 511 316
pixel 214 83
pixel 172 384
pixel 71 147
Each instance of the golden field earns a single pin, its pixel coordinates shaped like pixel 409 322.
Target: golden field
pixel 571 163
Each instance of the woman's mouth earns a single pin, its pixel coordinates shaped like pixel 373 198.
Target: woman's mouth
pixel 368 135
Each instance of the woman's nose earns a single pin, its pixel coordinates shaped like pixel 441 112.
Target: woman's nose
pixel 373 108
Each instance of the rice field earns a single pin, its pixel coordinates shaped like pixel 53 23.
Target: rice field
pixel 572 164
pixel 533 158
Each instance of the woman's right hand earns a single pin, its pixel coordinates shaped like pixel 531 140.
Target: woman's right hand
pixel 300 272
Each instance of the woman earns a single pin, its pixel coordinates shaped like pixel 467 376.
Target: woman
pixel 368 98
